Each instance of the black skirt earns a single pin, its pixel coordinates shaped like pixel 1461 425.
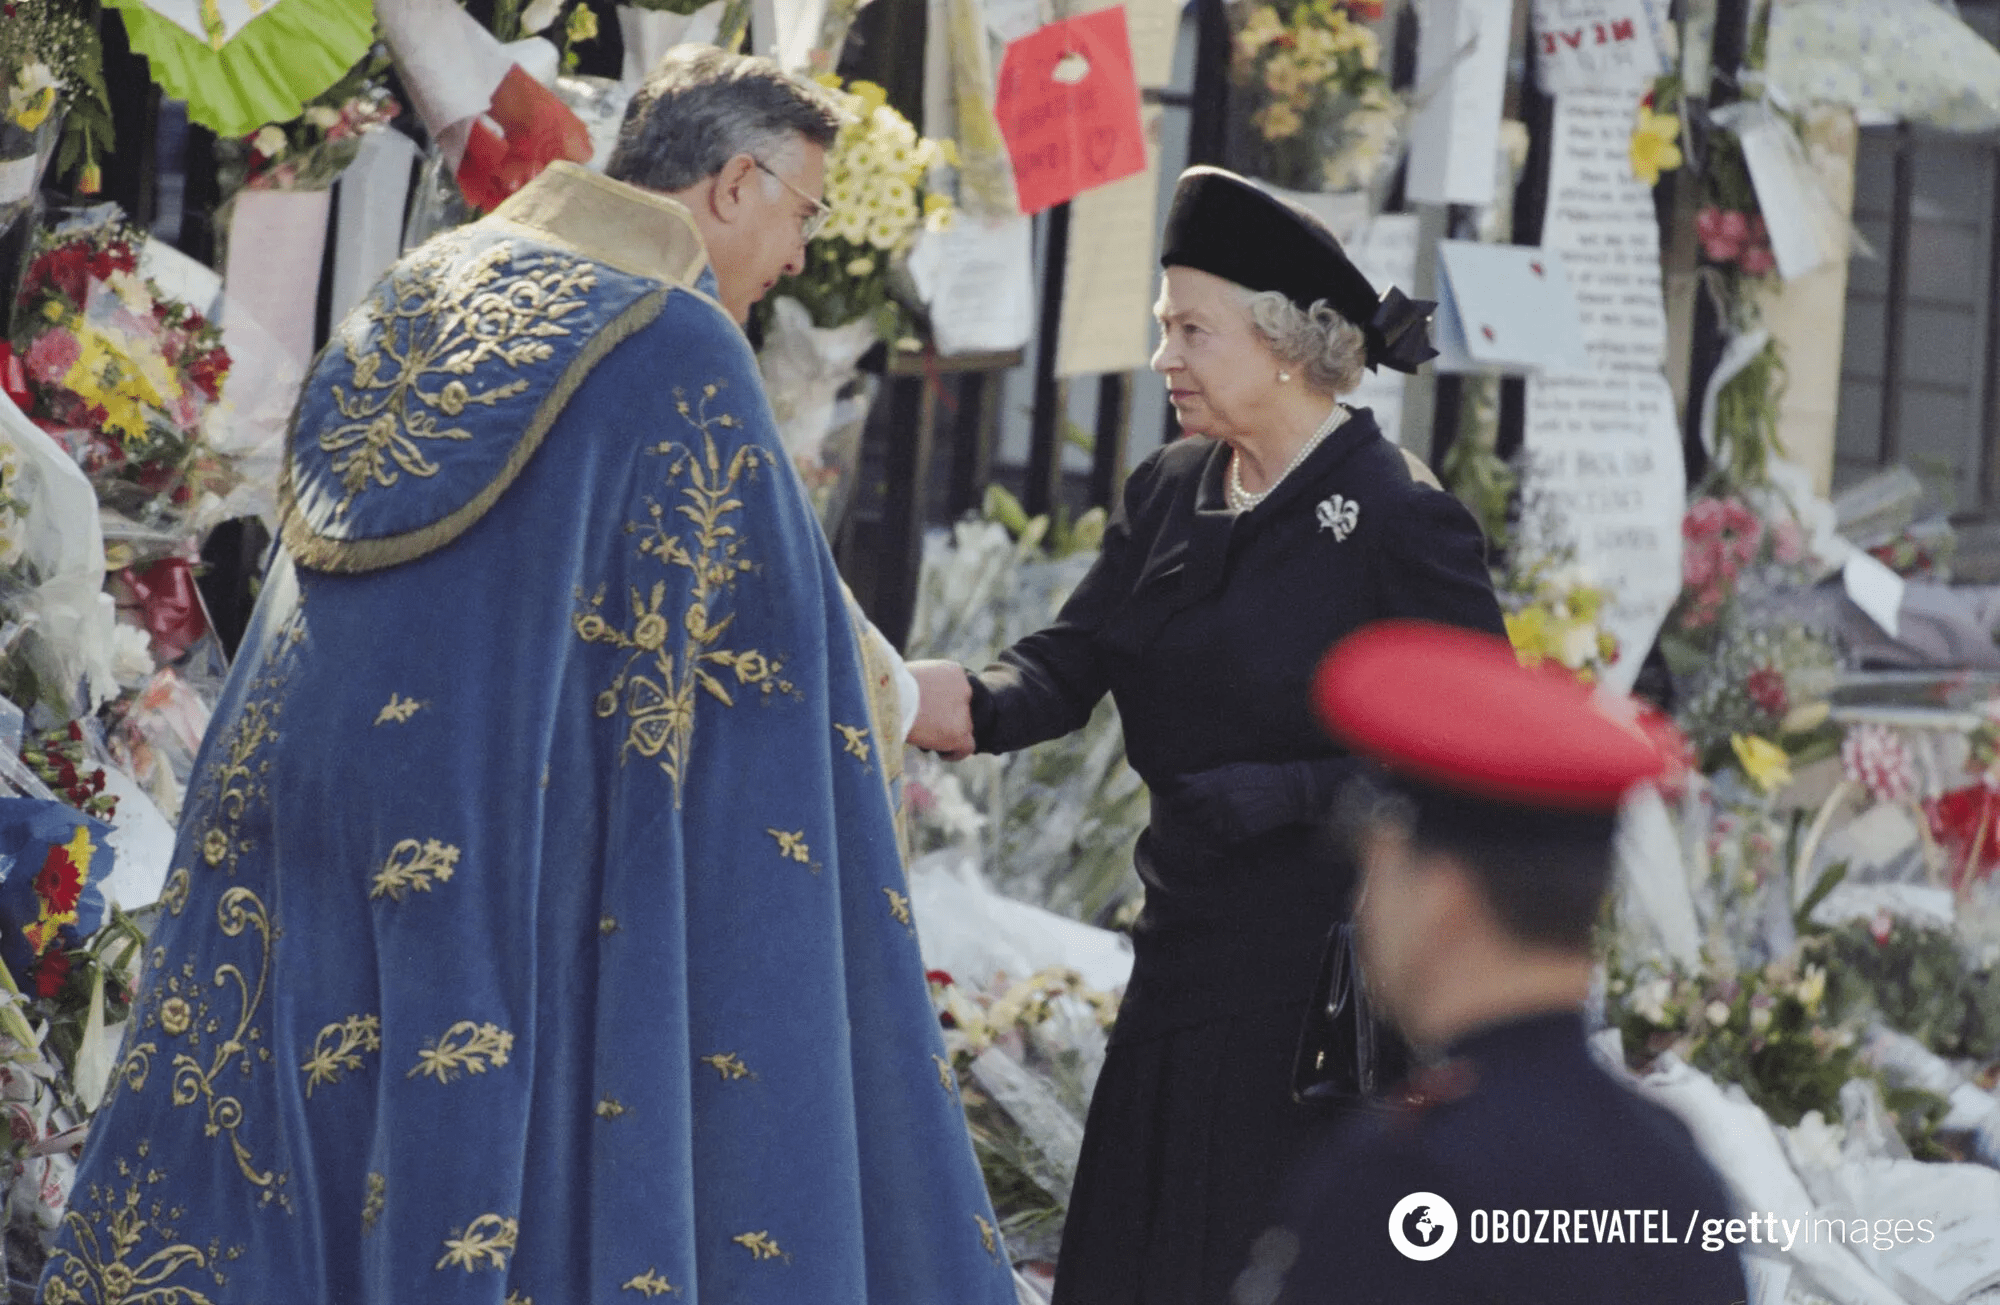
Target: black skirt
pixel 1190 1136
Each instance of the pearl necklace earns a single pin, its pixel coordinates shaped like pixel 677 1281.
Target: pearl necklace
pixel 1242 500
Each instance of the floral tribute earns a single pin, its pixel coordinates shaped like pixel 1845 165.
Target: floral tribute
pixel 1327 118
pixel 877 202
pixel 121 374
pixel 62 761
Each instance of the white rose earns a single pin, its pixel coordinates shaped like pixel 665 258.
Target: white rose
pixel 131 655
pixel 323 116
pixel 539 15
pixel 270 141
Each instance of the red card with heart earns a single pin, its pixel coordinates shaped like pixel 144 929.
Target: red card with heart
pixel 1068 105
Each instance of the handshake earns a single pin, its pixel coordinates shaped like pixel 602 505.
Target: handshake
pixel 944 709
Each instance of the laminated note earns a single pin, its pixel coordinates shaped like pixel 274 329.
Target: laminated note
pixel 1068 107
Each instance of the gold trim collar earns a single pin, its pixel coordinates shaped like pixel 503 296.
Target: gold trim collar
pixel 641 232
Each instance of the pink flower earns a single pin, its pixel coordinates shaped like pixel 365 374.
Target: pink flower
pixel 1697 566
pixel 1758 260
pixel 1703 518
pixel 52 355
pixel 1721 232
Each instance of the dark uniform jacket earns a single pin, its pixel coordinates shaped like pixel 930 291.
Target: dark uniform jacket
pixel 1206 626
pixel 1520 1134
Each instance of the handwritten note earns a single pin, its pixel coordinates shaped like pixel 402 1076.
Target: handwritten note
pixel 1604 446
pixel 1068 106
pixel 1594 45
pixel 978 281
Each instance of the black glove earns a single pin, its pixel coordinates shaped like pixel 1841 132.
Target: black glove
pixel 1245 799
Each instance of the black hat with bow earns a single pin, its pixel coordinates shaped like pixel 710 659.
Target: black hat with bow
pixel 1228 226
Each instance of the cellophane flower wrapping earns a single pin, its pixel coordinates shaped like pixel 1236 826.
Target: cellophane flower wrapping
pixel 1060 819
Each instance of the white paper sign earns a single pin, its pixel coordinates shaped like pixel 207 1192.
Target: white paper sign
pixel 1875 589
pixel 1605 446
pixel 977 279
pixel 1512 309
pixel 1010 20
pixel 1461 83
pixel 1601 222
pixel 1594 45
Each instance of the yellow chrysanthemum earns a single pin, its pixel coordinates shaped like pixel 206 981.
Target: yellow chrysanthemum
pixel 582 24
pixel 1653 145
pixel 872 97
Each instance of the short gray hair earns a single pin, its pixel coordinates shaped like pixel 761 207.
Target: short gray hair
pixel 1328 348
pixel 702 106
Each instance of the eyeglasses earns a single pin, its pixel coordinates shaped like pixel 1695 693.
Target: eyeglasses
pixel 812 223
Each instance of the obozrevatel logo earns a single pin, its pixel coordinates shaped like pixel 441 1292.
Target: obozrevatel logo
pixel 1423 1225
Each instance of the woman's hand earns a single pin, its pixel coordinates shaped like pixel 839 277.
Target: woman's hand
pixel 944 710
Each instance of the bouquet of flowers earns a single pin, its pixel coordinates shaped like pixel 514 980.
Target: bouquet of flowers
pixel 313 149
pixel 52 68
pixel 1760 683
pixel 119 373
pixel 1552 609
pixel 878 203
pixel 1024 1060
pixel 1328 119
pixel 1762 1028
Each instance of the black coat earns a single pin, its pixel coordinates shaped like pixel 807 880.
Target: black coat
pixel 1206 626
pixel 1520 1120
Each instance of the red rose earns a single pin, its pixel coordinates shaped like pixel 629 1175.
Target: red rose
pixel 51 972
pixel 938 976
pixel 1766 688
pixel 60 882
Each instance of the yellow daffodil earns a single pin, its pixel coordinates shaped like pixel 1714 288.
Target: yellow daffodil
pixel 1812 989
pixel 1653 148
pixel 1768 765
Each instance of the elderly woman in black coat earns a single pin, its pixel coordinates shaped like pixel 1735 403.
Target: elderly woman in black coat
pixel 1237 556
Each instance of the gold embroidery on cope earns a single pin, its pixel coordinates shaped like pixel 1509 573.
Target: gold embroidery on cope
pixel 372 1204
pixel 175 895
pixel 516 1298
pixel 181 1009
pixel 412 866
pixel 485 1244
pixel 349 1038
pixel 241 761
pixel 989 1236
pixel 793 847
pixel 656 690
pixel 466 1047
pixel 947 1078
pixel 399 710
pixel 611 1108
pixel 607 925
pixel 899 906
pixel 760 1245
pixel 437 318
pixel 127 1248
pixel 857 741
pixel 650 1283
pixel 729 1065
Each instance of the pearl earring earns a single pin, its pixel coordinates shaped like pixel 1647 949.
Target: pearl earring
pixel 1284 376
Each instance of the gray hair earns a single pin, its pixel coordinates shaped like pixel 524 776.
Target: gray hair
pixel 1328 348
pixel 702 106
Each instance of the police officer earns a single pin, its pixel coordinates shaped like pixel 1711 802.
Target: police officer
pixel 1512 1169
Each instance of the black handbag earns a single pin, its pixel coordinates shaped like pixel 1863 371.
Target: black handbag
pixel 1348 1058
